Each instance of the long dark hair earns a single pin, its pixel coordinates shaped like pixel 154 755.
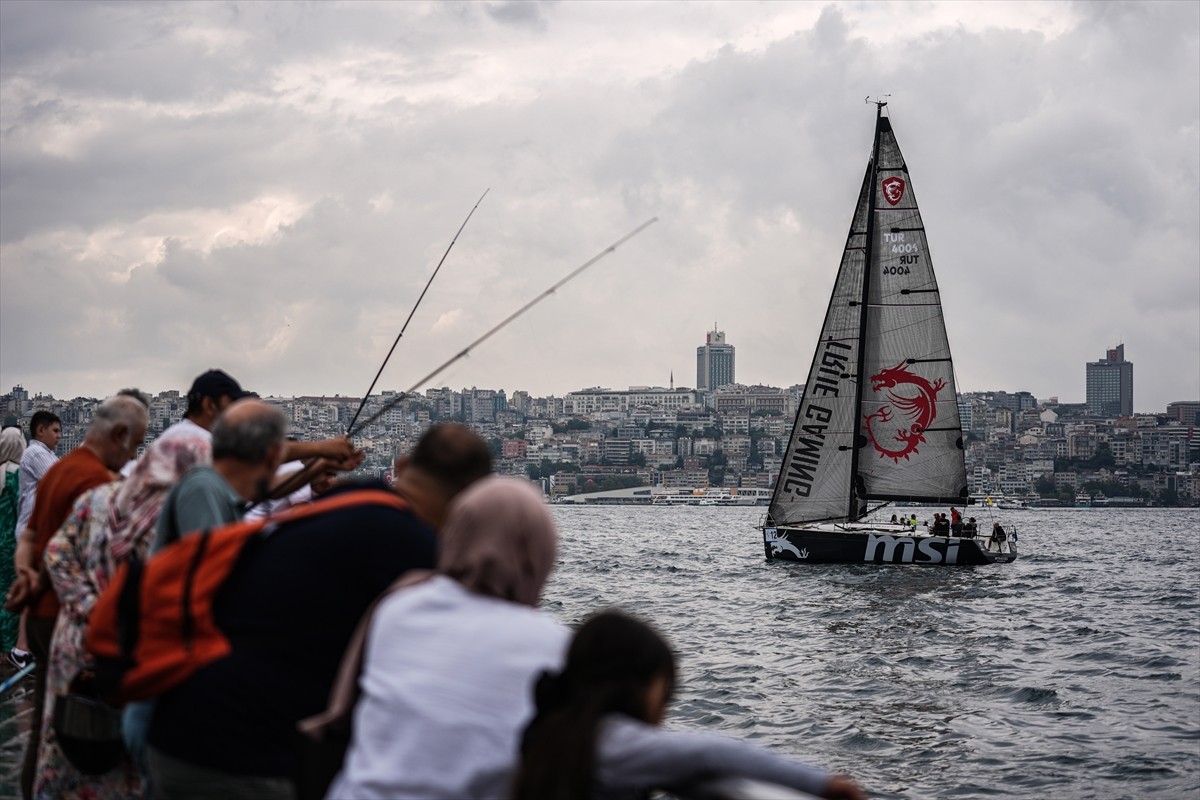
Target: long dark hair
pixel 612 662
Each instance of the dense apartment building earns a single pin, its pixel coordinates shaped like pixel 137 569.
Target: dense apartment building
pixel 732 436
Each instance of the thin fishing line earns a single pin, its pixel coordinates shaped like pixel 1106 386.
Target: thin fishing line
pixel 428 283
pixel 504 323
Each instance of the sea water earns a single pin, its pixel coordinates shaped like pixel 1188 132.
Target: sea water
pixel 1073 672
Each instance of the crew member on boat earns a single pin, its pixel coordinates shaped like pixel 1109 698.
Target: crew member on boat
pixel 998 536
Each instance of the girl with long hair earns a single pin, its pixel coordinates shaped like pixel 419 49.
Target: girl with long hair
pixel 596 734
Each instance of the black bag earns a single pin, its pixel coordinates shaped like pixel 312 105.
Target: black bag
pixel 88 732
pixel 319 759
pixel 321 741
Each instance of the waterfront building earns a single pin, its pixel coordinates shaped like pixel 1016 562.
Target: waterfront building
pixel 714 362
pixel 1185 412
pixel 736 397
pixel 1110 384
pixel 596 400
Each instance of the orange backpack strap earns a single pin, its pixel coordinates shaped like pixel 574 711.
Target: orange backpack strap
pixel 359 497
pixel 153 625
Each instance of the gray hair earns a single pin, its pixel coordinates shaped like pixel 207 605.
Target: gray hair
pixel 249 437
pixel 136 394
pixel 120 410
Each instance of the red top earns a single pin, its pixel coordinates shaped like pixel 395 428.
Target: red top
pixel 63 484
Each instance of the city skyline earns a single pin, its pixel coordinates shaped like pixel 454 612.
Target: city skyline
pixel 733 438
pixel 267 187
pixel 670 386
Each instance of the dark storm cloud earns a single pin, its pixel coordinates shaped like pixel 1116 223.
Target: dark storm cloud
pixel 267 186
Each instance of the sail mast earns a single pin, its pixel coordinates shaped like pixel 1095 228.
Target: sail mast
pixel 860 372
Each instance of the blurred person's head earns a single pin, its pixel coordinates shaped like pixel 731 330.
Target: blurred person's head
pixel 447 459
pixel 46 427
pixel 499 540
pixel 615 665
pixel 247 445
pixel 117 431
pixel 211 393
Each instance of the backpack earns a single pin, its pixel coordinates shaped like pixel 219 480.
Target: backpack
pixel 153 625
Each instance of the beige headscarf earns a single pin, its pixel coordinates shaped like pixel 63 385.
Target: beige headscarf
pixel 499 540
pixel 12 445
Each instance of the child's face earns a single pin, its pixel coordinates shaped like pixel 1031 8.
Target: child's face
pixel 656 699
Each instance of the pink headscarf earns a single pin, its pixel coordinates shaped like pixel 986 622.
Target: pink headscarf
pixel 135 507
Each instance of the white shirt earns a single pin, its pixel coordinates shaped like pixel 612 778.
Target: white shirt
pixel 185 427
pixel 447 689
pixel 298 497
pixel 36 460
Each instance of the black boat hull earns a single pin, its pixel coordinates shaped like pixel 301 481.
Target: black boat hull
pixel 825 546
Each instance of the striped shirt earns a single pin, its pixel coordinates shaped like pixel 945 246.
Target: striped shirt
pixel 37 459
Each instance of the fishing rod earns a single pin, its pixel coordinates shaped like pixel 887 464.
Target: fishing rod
pixel 298 479
pixel 307 471
pixel 414 311
pixel 392 403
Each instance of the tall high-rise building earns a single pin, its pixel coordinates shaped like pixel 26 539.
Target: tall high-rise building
pixel 1110 384
pixel 714 362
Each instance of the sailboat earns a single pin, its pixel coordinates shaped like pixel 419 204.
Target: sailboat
pixel 879 418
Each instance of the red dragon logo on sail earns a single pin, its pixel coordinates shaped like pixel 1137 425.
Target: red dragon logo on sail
pixel 919 410
pixel 893 190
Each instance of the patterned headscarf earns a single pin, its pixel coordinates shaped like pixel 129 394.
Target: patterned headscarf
pixel 12 445
pixel 135 507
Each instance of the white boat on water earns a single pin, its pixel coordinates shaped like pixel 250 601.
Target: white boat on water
pixel 1000 501
pixel 712 496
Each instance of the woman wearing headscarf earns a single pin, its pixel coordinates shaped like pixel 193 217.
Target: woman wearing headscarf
pixel 12 447
pixel 107 526
pixel 450 660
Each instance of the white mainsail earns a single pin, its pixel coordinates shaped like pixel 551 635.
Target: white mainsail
pixel 880 420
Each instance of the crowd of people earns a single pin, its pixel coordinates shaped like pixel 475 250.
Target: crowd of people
pixel 412 624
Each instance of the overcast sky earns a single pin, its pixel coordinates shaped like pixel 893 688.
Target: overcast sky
pixel 266 187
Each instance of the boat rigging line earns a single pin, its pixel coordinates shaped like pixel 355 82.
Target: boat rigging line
pixel 428 283
pixel 392 403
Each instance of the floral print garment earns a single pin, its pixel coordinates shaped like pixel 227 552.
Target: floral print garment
pixel 79 565
pixel 107 526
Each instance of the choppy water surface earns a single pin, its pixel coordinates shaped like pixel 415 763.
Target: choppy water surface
pixel 1073 672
